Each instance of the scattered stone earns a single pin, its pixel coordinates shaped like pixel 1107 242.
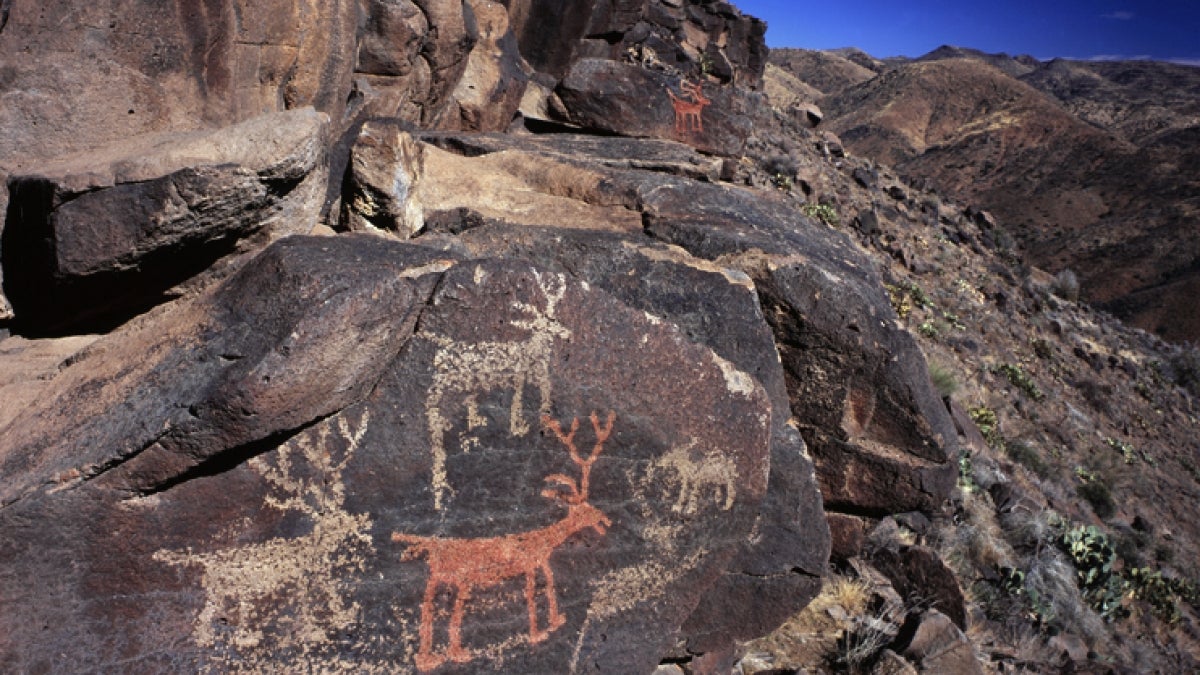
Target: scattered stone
pixel 933 642
pixel 866 177
pixel 918 572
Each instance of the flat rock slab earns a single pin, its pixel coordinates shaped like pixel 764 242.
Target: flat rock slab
pixel 501 498
pixel 105 233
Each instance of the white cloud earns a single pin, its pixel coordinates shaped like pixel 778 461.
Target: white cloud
pixel 1195 61
pixel 1119 57
pixel 1121 15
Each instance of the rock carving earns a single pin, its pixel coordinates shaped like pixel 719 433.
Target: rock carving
pixel 697 476
pixel 688 109
pixel 468 369
pixel 468 565
pixel 287 587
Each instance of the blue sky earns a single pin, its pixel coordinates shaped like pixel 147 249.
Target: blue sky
pixel 1169 29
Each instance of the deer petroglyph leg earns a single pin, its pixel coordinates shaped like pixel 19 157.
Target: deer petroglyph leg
pixel 463 565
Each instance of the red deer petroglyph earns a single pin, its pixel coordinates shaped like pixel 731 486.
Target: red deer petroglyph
pixel 469 565
pixel 688 109
pixel 469 369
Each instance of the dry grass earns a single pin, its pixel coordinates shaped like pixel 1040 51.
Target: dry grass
pixel 811 636
pixel 978 543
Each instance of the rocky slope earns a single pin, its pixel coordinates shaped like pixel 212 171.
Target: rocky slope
pixel 487 344
pixel 1086 163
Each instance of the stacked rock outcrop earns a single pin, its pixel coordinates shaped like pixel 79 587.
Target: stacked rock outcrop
pixel 384 389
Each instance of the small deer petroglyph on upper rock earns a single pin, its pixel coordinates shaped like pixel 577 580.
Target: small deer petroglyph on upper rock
pixel 469 565
pixel 468 369
pixel 687 110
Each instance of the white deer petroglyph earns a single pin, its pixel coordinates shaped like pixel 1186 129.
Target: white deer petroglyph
pixel 249 588
pixel 468 369
pixel 706 474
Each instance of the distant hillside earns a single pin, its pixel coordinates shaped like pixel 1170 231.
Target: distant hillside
pixel 1089 165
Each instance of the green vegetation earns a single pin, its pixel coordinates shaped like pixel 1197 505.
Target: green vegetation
pixel 822 212
pixel 1018 378
pixel 907 295
pixel 943 380
pixel 985 418
pixel 966 472
pixel 1093 556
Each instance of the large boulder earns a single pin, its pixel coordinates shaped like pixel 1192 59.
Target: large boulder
pixel 587 189
pixel 98 236
pixel 354 438
pixel 859 391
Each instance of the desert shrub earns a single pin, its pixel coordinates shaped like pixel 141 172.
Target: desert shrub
pixel 822 212
pixel 1093 556
pixel 1097 394
pixel 1097 494
pixel 943 380
pixel 859 649
pixel 1027 456
pixel 985 418
pixel 1052 580
pixel 1066 285
pixel 1018 378
pixel 1042 348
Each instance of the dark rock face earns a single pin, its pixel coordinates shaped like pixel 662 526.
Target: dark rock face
pixel 935 644
pixel 522 465
pixel 776 573
pixel 687 37
pixel 881 436
pixel 102 235
pixel 633 101
pixel 916 568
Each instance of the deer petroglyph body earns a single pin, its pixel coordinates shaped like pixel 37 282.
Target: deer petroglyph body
pixel 688 109
pixel 469 565
pixel 697 475
pixel 465 370
pixel 251 587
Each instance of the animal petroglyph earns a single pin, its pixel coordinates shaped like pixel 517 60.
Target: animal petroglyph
pixel 465 370
pixel 688 108
pixel 698 475
pixel 470 565
pixel 283 595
